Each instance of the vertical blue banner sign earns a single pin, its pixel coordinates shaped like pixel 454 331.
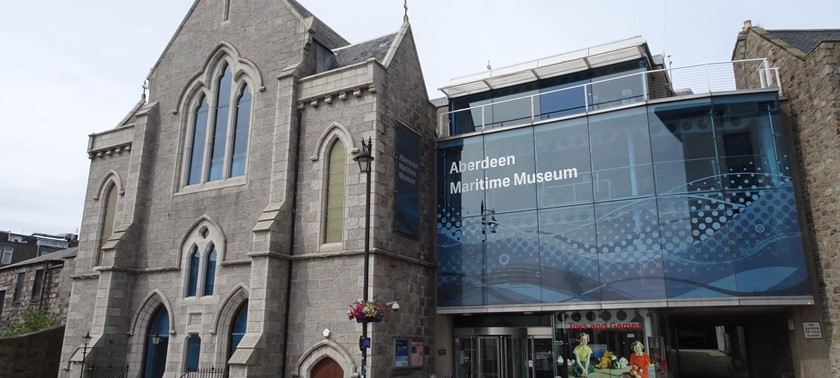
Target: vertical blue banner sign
pixel 407 195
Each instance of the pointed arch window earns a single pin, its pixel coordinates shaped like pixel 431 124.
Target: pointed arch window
pixel 108 216
pixel 157 344
pixel 238 328
pixel 210 272
pixel 336 175
pixel 200 261
pixel 219 145
pixel 192 280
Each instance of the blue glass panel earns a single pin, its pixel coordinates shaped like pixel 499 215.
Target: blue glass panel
pixel 470 114
pixel 514 106
pixel 240 134
pixel 617 86
pixel 630 262
pixel 193 353
pixel 627 226
pixel 221 125
pixel 563 99
pixel 511 186
pixel 460 164
pixel 631 275
pixel 752 156
pixel 768 259
pixel 461 260
pixel 569 258
pixel 562 149
pixel 210 277
pixel 197 148
pixel 192 283
pixel 621 161
pixel 238 328
pixel 684 150
pixel 512 258
pixel 696 248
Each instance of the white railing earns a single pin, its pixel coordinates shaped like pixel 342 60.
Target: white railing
pixel 613 92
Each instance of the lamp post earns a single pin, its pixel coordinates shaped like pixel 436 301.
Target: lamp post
pixel 365 160
pixel 155 342
pixel 85 342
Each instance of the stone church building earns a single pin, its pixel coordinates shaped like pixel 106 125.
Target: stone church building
pixel 224 221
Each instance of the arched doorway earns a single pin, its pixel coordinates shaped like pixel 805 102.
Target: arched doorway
pixel 157 343
pixel 327 368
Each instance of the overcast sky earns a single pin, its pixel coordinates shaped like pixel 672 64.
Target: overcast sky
pixel 72 68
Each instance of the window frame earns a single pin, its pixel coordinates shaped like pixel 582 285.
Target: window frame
pixel 37 285
pixel 18 295
pixel 326 193
pixel 211 94
pixel 9 251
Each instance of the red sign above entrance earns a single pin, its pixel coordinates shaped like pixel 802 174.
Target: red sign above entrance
pixel 607 325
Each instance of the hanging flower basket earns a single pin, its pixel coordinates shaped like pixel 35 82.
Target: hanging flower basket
pixel 366 312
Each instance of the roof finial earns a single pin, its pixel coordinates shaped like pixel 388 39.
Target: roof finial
pixel 405 5
pixel 489 67
pixel 145 88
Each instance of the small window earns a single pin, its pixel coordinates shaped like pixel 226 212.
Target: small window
pixel 193 353
pixel 19 287
pixel 8 251
pixel 2 301
pixel 37 284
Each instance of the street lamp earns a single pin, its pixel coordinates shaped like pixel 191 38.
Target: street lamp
pixel 365 160
pixel 155 342
pixel 85 342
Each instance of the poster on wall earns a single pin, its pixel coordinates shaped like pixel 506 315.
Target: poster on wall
pixel 407 193
pixel 401 353
pixel 408 353
pixel 416 353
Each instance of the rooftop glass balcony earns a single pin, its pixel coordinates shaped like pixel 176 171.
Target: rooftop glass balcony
pixel 616 91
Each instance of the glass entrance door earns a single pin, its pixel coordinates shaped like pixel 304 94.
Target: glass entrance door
pixel 491 356
pixel 540 357
pixel 493 360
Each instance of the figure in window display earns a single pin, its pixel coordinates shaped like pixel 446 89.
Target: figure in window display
pixel 582 366
pixel 639 361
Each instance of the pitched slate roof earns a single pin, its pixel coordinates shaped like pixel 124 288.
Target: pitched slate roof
pixel 55 256
pixel 806 40
pixel 376 48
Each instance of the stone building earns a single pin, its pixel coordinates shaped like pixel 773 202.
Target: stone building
pixel 41 283
pixel 224 221
pixel 809 62
pixel 15 247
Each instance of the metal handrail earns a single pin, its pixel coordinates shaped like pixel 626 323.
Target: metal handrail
pixel 713 77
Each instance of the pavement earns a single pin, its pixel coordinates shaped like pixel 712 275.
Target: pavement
pixel 707 363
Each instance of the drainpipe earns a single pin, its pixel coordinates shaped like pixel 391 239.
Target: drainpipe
pixel 285 344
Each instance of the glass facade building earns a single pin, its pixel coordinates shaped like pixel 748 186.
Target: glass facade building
pixel 668 200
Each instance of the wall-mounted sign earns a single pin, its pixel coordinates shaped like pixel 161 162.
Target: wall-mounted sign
pixel 407 193
pixel 812 330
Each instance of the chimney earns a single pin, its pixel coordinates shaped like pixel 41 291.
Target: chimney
pixel 747 25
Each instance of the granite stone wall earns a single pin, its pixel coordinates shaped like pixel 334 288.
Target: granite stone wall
pixel 811 103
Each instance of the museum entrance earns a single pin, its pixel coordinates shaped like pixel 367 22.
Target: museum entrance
pixel 501 352
pixel 731 343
